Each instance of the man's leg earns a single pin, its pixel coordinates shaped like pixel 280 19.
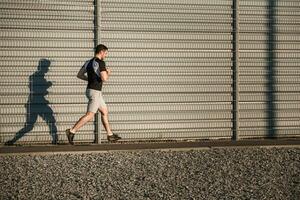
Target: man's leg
pixel 82 121
pixel 104 119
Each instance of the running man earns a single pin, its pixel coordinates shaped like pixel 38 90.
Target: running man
pixel 95 73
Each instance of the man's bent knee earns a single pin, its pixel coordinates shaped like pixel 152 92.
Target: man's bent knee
pixel 103 111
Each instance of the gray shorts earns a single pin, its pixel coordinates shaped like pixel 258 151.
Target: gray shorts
pixel 96 100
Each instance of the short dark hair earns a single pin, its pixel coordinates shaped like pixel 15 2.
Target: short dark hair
pixel 100 47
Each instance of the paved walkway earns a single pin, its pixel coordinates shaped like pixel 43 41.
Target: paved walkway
pixel 179 145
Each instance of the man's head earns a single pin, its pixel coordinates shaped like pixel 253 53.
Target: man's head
pixel 101 51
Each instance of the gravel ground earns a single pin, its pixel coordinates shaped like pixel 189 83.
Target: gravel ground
pixel 217 173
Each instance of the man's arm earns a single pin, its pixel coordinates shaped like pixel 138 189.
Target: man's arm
pixel 81 74
pixel 105 74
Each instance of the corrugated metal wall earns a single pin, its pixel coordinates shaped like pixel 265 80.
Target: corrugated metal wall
pixel 171 63
pixel 43 44
pixel 269 68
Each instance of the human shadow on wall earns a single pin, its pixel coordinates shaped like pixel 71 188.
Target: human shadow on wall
pixel 271 60
pixel 37 104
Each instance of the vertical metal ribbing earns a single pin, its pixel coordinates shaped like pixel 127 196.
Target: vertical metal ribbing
pixel 97 41
pixel 271 70
pixel 97 22
pixel 235 69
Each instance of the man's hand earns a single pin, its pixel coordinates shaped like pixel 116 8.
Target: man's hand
pixel 108 71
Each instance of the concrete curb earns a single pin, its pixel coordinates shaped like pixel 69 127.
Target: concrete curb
pixel 178 145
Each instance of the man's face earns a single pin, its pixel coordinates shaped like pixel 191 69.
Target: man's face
pixel 103 54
